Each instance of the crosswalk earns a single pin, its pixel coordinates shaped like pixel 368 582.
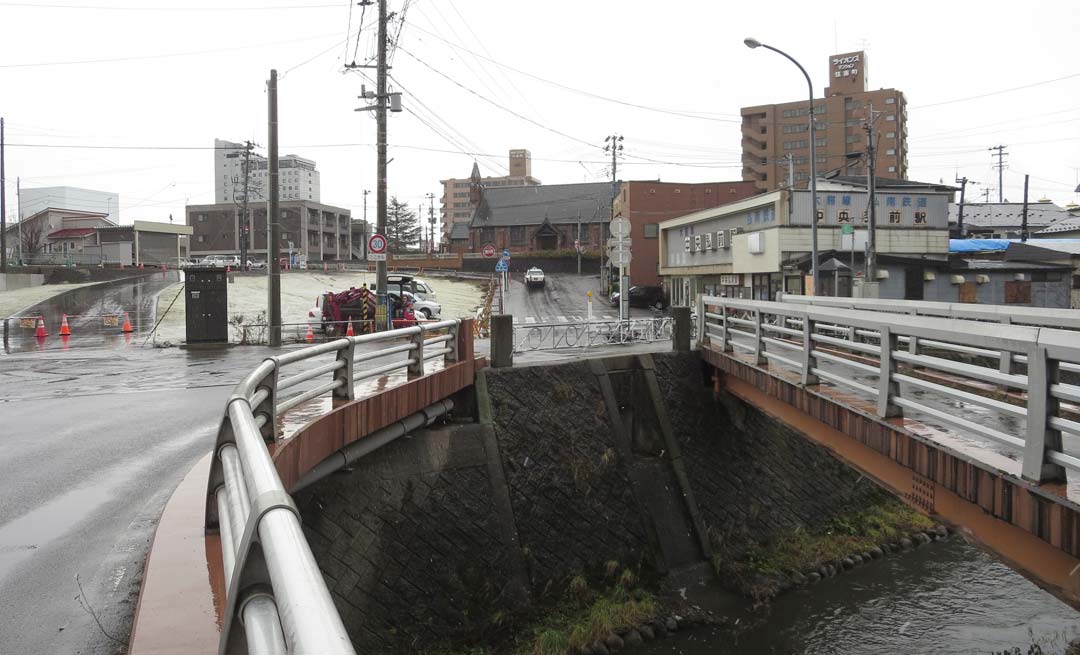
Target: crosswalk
pixel 548 320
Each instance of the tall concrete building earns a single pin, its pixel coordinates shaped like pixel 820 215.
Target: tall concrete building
pixel 298 177
pixel 34 200
pixel 776 138
pixel 461 196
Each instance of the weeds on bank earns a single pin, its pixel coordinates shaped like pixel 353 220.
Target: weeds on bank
pixel 887 520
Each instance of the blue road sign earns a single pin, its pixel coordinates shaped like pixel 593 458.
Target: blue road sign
pixel 501 266
pixel 506 254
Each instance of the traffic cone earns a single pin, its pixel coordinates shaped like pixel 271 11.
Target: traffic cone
pixel 127 324
pixel 65 331
pixel 349 331
pixel 40 331
pixel 310 336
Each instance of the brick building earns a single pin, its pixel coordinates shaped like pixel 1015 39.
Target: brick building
pixel 315 230
pixel 648 203
pixel 542 218
pixel 773 132
pixel 461 196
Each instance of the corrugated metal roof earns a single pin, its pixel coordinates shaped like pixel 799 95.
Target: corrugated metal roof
pixel 1007 214
pixel 556 203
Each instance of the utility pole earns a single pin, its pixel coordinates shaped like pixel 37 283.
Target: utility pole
pixel 986 195
pixel 380 143
pixel 273 217
pixel 431 223
pixel 790 170
pixel 3 204
pixel 363 248
pixel 245 228
pixel 613 144
pixel 1000 166
pixel 1023 217
pixel 871 237
pixel 18 212
pixel 962 181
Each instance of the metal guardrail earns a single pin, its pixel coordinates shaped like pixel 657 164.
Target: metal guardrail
pixel 274 588
pixel 803 336
pixel 586 334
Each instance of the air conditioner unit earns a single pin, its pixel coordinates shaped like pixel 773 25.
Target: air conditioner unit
pixel 1020 277
pixel 956 279
pixel 882 274
pixel 929 276
pixel 982 279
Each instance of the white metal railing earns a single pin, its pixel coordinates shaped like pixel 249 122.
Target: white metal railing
pixel 586 334
pixel 845 347
pixel 273 585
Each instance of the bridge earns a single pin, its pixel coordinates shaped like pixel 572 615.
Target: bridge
pixel 965 412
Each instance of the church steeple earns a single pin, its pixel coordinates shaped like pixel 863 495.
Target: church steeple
pixel 475 186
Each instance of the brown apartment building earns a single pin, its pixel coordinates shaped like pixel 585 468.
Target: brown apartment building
pixel 645 204
pixel 461 196
pixel 774 135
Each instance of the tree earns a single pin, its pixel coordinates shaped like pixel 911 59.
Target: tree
pixel 402 227
pixel 31 239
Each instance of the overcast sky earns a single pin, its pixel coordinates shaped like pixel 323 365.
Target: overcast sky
pixel 167 79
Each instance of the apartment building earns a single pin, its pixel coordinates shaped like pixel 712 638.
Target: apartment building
pixel 314 230
pixel 298 179
pixel 776 138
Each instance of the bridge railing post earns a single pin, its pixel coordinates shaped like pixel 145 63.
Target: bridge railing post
pixel 346 390
pixel 759 347
pixel 809 362
pixel 702 336
pixel 888 387
pixel 723 328
pixel 1042 372
pixel 416 369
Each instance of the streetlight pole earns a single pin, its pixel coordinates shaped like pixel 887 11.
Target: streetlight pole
pixel 754 43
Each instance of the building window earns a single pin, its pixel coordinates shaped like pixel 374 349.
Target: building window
pixel 788 129
pixel 891 117
pixel 892 169
pixel 920 218
pixel 652 230
pixel 487 235
pixel 202 218
pixel 854 138
pixel 820 143
pixel 792 145
pixel 890 135
pixel 200 238
pixel 890 101
pixel 894 217
pixel 843 217
pixel 517 235
pixel 583 232
pixel 890 151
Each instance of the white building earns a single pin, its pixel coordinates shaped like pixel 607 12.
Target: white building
pixel 298 179
pixel 39 199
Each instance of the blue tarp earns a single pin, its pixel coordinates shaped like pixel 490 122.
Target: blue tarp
pixel 977 245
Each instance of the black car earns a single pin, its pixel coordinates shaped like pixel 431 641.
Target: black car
pixel 644 296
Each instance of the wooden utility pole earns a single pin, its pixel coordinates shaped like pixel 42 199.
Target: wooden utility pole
pixel 960 208
pixel 871 236
pixel 273 217
pixel 1023 217
pixel 380 145
pixel 1001 167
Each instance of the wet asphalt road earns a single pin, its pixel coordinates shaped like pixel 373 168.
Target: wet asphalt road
pixel 95 439
pixel 562 300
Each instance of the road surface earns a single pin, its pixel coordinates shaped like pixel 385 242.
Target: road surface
pixel 562 300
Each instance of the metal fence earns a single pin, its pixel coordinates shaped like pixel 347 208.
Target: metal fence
pixel 897 351
pixel 588 334
pixel 276 598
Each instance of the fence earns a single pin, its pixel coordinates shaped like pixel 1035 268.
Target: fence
pixel 555 336
pixel 861 345
pixel 275 593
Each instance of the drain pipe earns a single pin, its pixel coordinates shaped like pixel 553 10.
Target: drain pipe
pixel 353 452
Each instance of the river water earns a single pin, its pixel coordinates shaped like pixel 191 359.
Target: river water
pixel 946 597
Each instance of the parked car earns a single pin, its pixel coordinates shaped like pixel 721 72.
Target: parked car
pixel 426 309
pixel 221 260
pixel 643 296
pixel 400 282
pixel 534 277
pixel 255 264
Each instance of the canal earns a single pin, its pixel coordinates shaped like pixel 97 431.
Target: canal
pixel 947 597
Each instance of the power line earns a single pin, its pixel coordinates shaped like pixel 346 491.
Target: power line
pixel 52 5
pixel 994 93
pixel 580 91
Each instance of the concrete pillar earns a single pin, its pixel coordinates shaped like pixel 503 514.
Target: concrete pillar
pixel 680 333
pixel 502 340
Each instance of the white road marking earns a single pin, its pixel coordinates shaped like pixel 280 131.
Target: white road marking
pixel 530 319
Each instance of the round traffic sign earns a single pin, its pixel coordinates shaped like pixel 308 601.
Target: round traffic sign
pixel 620 227
pixel 488 250
pixel 377 244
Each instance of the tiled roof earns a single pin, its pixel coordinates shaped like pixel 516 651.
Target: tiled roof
pixel 1063 225
pixel 1007 214
pixel 557 203
pixel 71 232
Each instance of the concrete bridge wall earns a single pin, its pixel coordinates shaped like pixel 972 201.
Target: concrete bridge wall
pixel 430 538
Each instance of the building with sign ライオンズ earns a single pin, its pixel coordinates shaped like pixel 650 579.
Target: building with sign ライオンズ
pixel 760 246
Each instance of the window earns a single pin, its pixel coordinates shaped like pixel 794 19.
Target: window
pixel 202 218
pixel 892 169
pixel 821 159
pixel 652 230
pixel 890 101
pixel 788 129
pixel 920 218
pixel 583 232
pixel 890 135
pixel 820 143
pixel 854 138
pixel 891 117
pixel 487 235
pixel 200 238
pixel 843 217
pixel 890 151
pixel 791 145
pixel 894 218
pixel 852 122
pixel 517 235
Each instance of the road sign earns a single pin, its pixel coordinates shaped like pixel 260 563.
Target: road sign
pixel 377 248
pixel 620 258
pixel 506 254
pixel 501 266
pixel 847 229
pixel 620 227
pixel 488 250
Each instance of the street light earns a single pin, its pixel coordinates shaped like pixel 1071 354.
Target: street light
pixel 754 43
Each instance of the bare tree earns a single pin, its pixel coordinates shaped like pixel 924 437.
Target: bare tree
pixel 31 239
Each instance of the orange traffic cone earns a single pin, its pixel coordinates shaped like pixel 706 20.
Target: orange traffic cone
pixel 40 331
pixel 349 331
pixel 310 336
pixel 127 324
pixel 65 331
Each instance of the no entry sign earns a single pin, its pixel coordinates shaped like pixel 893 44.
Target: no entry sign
pixel 488 250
